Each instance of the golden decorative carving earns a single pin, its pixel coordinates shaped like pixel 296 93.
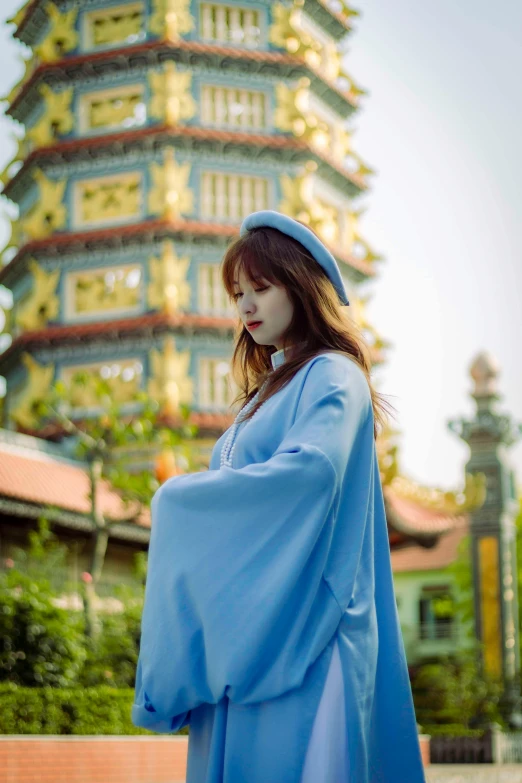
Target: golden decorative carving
pixel 42 304
pixel 20 155
pixel 168 290
pixel 368 255
pixel 114 110
pixel 98 290
pixel 464 501
pixel 30 66
pixel 15 239
pixel 292 114
pixel 35 390
pixel 104 199
pixel 122 376
pixel 116 26
pixel 362 170
pixel 387 454
pixel 57 117
pixel 287 32
pixel 169 195
pixel 298 203
pixel 354 90
pixel 61 38
pixel 171 18
pixel 171 100
pixel 48 214
pixel 19 16
pixel 170 383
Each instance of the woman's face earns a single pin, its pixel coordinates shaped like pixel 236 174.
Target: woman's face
pixel 265 302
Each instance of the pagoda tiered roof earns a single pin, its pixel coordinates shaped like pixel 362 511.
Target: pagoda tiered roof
pixel 32 15
pixel 182 51
pixel 190 135
pixel 146 232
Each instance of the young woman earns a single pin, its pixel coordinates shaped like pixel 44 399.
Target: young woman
pixel 270 623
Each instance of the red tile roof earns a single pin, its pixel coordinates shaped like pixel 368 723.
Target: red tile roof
pixel 418 558
pixel 45 480
pixel 39 478
pixel 410 517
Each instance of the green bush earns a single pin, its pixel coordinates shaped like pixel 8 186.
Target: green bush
pixel 450 730
pixel 102 710
pixel 40 643
pixel 112 659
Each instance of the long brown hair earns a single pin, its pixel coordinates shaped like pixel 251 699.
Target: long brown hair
pixel 320 322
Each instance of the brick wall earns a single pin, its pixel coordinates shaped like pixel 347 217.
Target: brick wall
pixel 70 759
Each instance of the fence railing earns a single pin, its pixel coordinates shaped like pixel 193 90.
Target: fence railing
pixel 494 747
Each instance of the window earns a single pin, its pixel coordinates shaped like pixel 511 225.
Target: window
pixel 216 389
pixel 107 291
pixel 122 24
pixel 124 377
pixel 212 297
pixel 230 24
pixel 122 107
pixel 108 199
pixel 228 107
pixel 436 613
pixel 233 196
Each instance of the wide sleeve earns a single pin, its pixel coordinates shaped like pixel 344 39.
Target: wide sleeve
pixel 236 603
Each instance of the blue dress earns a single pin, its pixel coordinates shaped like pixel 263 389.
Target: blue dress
pixel 257 573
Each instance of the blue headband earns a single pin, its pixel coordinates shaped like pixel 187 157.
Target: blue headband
pixel 291 227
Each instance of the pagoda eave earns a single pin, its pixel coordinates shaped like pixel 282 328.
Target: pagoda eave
pixel 334 22
pixel 412 521
pixel 155 52
pixel 149 325
pixel 147 232
pixel 189 137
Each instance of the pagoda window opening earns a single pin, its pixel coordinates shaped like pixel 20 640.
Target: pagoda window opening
pixel 123 24
pixel 105 291
pixel 230 107
pixel 107 200
pixel 121 107
pixel 436 612
pixel 230 24
pixel 216 389
pixel 212 297
pixel 124 376
pixel 230 197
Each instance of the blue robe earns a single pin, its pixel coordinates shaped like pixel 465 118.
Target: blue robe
pixel 253 572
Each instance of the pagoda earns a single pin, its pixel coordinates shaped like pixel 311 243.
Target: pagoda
pixel 151 128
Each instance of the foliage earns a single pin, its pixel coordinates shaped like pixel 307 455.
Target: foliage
pixel 117 434
pixel 102 710
pixel 40 643
pixel 455 691
pixel 112 657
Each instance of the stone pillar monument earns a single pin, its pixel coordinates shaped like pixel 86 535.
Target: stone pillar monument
pixel 489 435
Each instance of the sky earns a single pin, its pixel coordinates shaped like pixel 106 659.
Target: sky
pixel 441 127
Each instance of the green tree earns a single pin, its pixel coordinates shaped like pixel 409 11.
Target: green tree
pixel 115 440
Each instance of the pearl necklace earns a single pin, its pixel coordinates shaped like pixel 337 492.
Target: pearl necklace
pixel 228 448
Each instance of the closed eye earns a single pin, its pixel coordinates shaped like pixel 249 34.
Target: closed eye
pixel 257 290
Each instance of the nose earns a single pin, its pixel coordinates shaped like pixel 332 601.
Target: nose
pixel 247 306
